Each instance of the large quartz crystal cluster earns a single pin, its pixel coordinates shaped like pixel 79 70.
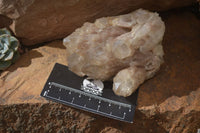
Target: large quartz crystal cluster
pixel 125 48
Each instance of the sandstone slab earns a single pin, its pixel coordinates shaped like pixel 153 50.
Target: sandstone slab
pixel 37 21
pixel 169 102
pixel 5 21
pixel 25 79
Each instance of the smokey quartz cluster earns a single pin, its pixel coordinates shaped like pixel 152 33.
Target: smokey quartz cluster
pixel 125 48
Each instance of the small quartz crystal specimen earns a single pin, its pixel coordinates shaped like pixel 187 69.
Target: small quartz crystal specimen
pixel 125 48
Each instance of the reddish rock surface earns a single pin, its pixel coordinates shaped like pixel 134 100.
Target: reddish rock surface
pixel 4 21
pixel 37 21
pixel 169 102
pixel 23 81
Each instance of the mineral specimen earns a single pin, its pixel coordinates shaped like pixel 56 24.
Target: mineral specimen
pixel 126 47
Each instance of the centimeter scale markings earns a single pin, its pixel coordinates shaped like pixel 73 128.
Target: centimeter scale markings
pixel 104 105
pixel 71 94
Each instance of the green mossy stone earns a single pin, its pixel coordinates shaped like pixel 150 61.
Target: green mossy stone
pixel 4 64
pixel 1 55
pixel 8 49
pixel 8 55
pixel 4 31
pixel 5 40
pixel 14 43
pixel 15 57
pixel 4 50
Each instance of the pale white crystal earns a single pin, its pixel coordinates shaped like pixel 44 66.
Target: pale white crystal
pixel 127 47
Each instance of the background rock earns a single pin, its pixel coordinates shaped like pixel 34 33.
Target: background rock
pixel 4 21
pixel 23 81
pixel 37 21
pixel 169 102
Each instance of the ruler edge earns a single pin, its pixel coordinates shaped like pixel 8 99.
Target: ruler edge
pixel 84 109
pixel 91 95
pixel 93 112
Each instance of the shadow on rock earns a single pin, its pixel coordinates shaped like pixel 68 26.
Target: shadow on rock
pixel 60 45
pixel 180 73
pixel 25 60
pixel 5 21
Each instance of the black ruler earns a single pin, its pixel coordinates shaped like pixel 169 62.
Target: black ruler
pixel 63 86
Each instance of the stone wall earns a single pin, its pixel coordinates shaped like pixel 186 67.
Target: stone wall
pixel 37 21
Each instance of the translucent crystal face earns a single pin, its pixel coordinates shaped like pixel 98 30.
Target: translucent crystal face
pixel 118 47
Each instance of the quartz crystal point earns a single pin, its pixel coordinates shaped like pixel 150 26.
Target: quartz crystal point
pixel 127 48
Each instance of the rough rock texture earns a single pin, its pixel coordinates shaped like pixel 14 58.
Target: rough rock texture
pixel 128 46
pixel 4 21
pixel 38 118
pixel 169 102
pixel 36 21
pixel 20 81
